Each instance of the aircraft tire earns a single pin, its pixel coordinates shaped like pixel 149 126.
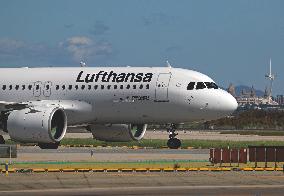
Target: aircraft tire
pixel 174 143
pixel 2 141
pixel 48 145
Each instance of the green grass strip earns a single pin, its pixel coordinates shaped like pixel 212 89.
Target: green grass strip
pixel 159 143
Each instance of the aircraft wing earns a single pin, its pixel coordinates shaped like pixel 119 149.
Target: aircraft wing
pixel 5 105
pixel 78 112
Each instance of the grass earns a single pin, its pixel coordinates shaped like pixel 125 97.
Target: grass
pixel 104 165
pixel 158 143
pixel 130 165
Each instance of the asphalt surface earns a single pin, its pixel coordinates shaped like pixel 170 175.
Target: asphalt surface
pixel 96 150
pixel 187 134
pixel 34 153
pixel 191 183
pixel 162 183
pixel 158 190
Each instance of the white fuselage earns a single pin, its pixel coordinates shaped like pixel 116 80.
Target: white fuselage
pixel 119 94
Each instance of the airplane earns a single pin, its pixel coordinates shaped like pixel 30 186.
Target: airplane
pixel 113 103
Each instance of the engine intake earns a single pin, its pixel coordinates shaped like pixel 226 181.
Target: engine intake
pixel 118 132
pixel 38 124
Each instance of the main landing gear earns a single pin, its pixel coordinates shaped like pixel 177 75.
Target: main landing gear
pixel 173 142
pixel 49 145
pixel 2 141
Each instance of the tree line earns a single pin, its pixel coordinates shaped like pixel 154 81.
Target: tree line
pixel 250 119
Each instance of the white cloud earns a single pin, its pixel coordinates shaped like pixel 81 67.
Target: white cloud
pixel 80 40
pixel 12 50
pixel 84 48
pixel 72 50
pixel 7 45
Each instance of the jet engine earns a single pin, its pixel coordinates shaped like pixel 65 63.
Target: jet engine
pixel 118 132
pixel 37 124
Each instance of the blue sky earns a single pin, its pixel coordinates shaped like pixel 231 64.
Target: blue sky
pixel 231 41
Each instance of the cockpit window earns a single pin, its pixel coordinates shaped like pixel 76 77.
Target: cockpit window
pixel 190 86
pixel 211 85
pixel 200 85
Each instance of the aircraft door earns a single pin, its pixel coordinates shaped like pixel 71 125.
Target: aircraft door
pixel 37 88
pixel 47 89
pixel 162 85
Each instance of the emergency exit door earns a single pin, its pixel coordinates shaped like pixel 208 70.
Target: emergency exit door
pixel 37 88
pixel 162 85
pixel 47 89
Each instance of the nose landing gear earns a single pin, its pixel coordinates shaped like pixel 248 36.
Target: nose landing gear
pixel 173 142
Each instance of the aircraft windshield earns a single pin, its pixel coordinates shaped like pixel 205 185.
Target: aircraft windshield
pixel 190 86
pixel 211 85
pixel 201 85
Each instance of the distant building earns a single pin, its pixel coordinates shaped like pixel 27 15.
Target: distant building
pixel 231 90
pixel 249 98
pixel 280 99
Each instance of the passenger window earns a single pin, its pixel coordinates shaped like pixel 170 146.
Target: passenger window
pixel 63 87
pixel 141 86
pixel 115 86
pixel 96 87
pixel 200 85
pixel 102 86
pixel 23 87
pixel 47 87
pixel 108 86
pixel 17 87
pixel 57 87
pixel 4 87
pixel 70 87
pixel 30 87
pixel 190 86
pixel 128 86
pixel 83 87
pixel 89 87
pixel 134 86
pixel 211 85
pixel 37 87
pixel 76 87
pixel 147 86
pixel 121 86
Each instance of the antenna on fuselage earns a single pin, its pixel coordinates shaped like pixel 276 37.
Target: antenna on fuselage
pixel 83 64
pixel 168 64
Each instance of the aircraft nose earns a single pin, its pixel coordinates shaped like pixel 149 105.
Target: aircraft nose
pixel 229 104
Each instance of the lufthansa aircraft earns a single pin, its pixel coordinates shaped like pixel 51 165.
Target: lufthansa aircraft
pixel 114 103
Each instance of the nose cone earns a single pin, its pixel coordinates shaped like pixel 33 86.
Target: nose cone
pixel 228 104
pixel 223 104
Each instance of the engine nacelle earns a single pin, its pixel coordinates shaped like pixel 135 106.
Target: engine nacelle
pixel 118 132
pixel 37 124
